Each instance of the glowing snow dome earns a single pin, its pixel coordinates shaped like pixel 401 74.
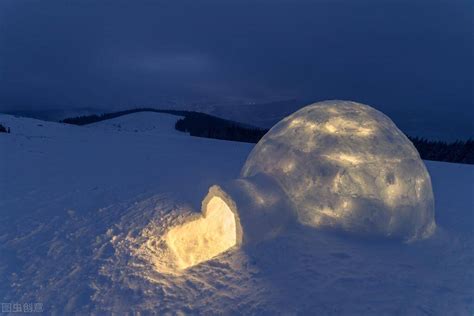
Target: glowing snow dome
pixel 345 165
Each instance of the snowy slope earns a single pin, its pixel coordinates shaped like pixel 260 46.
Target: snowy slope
pixel 82 210
pixel 143 122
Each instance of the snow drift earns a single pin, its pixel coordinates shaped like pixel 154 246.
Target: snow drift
pixel 346 165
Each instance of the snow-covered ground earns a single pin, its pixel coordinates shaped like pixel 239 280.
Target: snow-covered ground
pixel 82 210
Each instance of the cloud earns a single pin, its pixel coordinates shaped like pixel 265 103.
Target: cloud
pixel 395 55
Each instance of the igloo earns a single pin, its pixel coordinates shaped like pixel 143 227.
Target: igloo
pixel 331 165
pixel 345 165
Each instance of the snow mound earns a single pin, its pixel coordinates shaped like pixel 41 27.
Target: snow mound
pixel 30 128
pixel 144 122
pixel 346 165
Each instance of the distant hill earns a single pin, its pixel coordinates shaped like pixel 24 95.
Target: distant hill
pixel 209 126
pixel 195 123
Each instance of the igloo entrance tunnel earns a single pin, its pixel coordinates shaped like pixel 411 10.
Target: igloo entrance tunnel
pixel 335 164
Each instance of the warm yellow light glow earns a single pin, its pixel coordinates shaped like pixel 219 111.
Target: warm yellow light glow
pixel 308 125
pixel 343 126
pixel 295 122
pixel 311 126
pixel 206 237
pixel 288 166
pixel 345 158
pixel 393 193
pixel 333 213
pixel 336 125
pixel 330 128
pixel 420 182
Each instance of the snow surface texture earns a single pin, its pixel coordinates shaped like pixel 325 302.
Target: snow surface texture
pixel 346 165
pixel 84 212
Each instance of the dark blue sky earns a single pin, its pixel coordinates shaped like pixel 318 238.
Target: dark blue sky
pixel 398 55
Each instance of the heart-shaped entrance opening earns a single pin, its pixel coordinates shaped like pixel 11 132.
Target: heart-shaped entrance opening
pixel 206 237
